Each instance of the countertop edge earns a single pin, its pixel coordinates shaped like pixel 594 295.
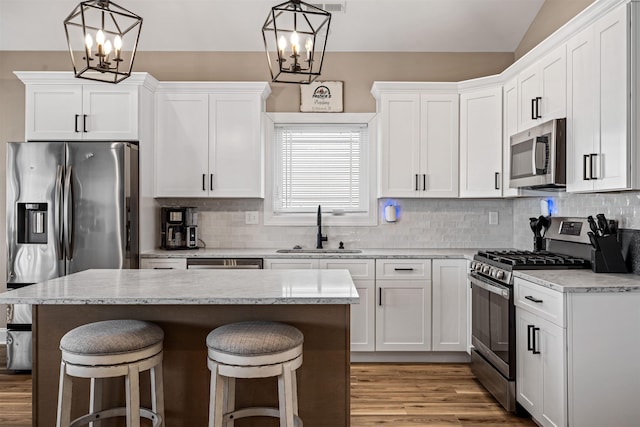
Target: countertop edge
pixel 622 280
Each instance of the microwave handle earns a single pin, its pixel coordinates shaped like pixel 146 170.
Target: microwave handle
pixel 541 155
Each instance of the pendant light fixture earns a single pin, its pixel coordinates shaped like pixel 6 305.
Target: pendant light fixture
pixel 102 39
pixel 295 38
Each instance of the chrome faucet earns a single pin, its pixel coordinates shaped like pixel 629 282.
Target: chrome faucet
pixel 320 238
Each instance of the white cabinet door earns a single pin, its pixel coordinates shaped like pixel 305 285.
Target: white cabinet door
pixel 182 132
pixel 542 90
pixel 449 320
pixel 53 112
pixel 81 112
pixel 235 146
pixel 403 315
pixel 580 110
pixel 612 144
pixel 598 100
pixel 510 124
pixel 439 126
pixel 541 374
pixel 110 114
pixel 481 143
pixel 291 264
pixel 399 145
pixel 363 321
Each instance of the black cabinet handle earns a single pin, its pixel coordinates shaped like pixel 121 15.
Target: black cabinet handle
pixel 211 182
pixel 529 346
pixel 76 123
pixel 403 269
pixel 585 159
pixel 416 182
pixel 424 182
pixel 496 180
pixel 380 297
pixel 84 123
pixel 533 109
pixel 204 185
pixel 538 99
pixel 534 350
pixel 591 157
pixel 530 298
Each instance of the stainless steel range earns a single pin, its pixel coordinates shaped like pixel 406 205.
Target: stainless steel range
pixel 493 359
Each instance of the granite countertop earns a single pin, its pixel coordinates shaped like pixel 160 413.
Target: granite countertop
pixel 466 253
pixel 581 280
pixel 185 287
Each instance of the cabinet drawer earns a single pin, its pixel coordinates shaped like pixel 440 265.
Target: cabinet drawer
pixel 541 301
pixel 164 263
pixel 359 269
pixel 410 269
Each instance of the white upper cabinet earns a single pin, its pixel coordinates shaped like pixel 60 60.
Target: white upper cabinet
pixel 481 143
pixel 542 90
pixel 418 142
pixel 209 140
pixel 61 107
pixel 599 105
pixel 510 125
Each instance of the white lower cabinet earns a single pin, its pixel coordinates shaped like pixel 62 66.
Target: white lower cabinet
pixel 403 309
pixel 450 306
pixel 541 372
pixel 290 264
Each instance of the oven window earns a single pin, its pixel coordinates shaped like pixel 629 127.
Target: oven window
pixel 490 321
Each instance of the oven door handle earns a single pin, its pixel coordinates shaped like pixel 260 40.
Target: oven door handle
pixel 504 293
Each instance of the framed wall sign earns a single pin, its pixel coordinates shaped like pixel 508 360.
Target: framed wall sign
pixel 321 97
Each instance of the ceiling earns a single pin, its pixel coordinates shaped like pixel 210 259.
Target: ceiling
pixel 234 25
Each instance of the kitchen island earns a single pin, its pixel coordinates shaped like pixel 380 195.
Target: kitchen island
pixel 187 305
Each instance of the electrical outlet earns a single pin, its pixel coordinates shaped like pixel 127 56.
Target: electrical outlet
pixel 251 218
pixel 493 218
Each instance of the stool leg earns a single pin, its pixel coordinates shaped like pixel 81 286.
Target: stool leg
pixel 216 392
pixel 132 385
pixel 285 396
pixel 64 398
pixel 95 399
pixel 157 392
pixel 294 392
pixel 229 398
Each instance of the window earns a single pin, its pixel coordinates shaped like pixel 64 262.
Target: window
pixel 320 165
pixel 320 159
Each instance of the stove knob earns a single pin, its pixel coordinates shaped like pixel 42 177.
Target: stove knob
pixel 486 269
pixel 473 265
pixel 499 275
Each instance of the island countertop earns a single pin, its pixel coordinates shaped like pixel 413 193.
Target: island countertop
pixel 191 287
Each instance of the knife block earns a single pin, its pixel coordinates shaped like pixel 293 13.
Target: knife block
pixel 608 257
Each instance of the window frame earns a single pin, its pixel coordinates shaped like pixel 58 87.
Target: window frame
pixel 369 163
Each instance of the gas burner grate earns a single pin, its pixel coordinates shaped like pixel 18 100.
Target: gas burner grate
pixel 529 259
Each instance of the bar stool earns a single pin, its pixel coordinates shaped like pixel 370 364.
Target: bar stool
pixel 255 349
pixel 107 349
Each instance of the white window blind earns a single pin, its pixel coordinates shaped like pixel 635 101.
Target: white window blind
pixel 320 165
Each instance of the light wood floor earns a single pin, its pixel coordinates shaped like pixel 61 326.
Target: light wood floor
pixel 403 395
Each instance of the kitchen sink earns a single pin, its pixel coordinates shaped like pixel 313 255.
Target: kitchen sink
pixel 319 251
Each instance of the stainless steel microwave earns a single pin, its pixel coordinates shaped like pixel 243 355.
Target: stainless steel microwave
pixel 538 157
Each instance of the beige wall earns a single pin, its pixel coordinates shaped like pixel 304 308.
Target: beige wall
pixel 553 15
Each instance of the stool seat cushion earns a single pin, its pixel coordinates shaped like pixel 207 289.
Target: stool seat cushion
pixel 111 337
pixel 254 338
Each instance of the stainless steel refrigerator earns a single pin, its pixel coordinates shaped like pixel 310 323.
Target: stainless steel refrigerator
pixel 71 206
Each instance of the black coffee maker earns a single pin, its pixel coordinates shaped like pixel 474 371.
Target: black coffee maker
pixel 179 228
pixel 537 225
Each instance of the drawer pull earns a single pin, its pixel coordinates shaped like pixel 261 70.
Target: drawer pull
pixel 534 350
pixel 530 298
pixel 529 346
pixel 403 269
pixel 163 268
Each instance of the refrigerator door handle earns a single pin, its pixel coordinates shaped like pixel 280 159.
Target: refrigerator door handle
pixel 58 212
pixel 68 218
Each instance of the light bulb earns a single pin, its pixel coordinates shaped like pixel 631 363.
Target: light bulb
pixel 308 45
pixel 117 43
pixel 294 42
pixel 88 41
pixel 107 47
pixel 282 44
pixel 100 37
